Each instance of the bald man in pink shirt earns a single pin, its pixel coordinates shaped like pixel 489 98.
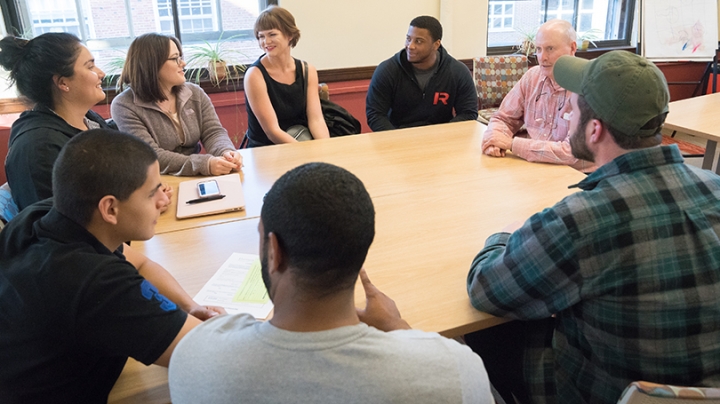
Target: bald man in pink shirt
pixel 539 103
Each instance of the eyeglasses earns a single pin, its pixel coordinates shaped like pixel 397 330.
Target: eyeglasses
pixel 178 59
pixel 540 94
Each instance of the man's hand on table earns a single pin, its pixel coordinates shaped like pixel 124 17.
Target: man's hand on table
pixel 495 144
pixel 206 312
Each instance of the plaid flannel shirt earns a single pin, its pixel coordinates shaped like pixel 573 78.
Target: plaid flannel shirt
pixel 630 266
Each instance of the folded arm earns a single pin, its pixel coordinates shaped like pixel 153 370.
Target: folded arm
pixel 316 120
pixel 171 162
pixel 378 101
pixel 505 123
pixel 529 274
pixel 466 101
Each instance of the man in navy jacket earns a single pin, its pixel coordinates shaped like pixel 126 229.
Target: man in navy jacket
pixel 420 85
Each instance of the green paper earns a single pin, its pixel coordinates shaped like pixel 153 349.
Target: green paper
pixel 253 289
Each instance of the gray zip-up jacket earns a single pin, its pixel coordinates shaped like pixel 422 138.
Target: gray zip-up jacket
pixel 178 153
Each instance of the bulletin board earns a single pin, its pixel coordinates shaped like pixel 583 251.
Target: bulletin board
pixel 673 30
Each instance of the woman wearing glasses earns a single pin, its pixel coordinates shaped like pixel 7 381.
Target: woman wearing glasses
pixel 173 116
pixel 57 75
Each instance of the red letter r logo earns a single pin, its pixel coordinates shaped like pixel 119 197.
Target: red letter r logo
pixel 442 97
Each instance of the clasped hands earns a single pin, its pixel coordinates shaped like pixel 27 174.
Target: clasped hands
pixel 230 161
pixel 495 144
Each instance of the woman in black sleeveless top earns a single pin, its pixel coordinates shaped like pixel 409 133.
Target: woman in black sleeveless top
pixel 276 93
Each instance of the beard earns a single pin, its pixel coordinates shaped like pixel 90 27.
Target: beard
pixel 579 148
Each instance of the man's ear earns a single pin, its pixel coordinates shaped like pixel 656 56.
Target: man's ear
pixel 437 44
pixel 108 208
pixel 275 255
pixel 596 131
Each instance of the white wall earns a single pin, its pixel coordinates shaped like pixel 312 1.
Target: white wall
pixel 354 33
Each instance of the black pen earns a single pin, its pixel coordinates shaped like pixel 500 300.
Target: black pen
pixel 206 199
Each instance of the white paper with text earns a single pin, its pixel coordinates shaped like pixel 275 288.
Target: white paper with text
pixel 238 287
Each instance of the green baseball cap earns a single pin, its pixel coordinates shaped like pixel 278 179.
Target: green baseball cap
pixel 625 90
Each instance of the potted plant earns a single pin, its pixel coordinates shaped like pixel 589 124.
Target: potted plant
pixel 113 68
pixel 586 38
pixel 527 42
pixel 215 58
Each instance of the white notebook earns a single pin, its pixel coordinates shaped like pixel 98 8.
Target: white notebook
pixel 229 185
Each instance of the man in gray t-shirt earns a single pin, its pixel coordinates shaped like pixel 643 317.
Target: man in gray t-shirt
pixel 316 226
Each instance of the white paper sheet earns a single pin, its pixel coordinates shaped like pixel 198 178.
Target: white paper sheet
pixel 237 286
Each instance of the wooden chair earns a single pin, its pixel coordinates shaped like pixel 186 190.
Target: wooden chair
pixel 651 393
pixel 494 77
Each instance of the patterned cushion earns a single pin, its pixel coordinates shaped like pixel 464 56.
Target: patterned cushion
pixel 646 392
pixel 8 208
pixel 495 76
pixel 484 115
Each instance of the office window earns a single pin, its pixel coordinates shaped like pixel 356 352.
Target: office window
pixel 57 16
pixel 195 16
pixel 606 22
pixel 560 9
pixel 501 16
pixel 108 27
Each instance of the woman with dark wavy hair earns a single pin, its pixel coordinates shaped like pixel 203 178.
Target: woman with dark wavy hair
pixel 57 75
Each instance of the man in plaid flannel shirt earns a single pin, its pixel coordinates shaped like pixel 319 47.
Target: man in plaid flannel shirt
pixel 629 266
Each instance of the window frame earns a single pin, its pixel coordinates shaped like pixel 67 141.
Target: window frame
pixel 626 20
pixel 13 11
pixel 502 16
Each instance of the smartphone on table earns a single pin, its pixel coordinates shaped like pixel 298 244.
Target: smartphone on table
pixel 208 188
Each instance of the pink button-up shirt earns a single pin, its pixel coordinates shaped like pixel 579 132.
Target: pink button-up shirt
pixel 543 106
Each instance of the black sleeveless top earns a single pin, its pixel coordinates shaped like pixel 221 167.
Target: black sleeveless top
pixel 288 101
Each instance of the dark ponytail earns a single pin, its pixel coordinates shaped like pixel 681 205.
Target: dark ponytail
pixel 33 63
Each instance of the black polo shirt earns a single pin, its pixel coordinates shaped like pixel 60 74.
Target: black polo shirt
pixel 72 312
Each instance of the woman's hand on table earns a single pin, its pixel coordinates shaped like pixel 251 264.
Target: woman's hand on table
pixel 234 156
pixel 221 166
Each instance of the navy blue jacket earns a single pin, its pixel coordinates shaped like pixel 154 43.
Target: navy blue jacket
pixel 395 100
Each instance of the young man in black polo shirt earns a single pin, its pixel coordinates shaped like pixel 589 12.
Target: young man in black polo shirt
pixel 72 307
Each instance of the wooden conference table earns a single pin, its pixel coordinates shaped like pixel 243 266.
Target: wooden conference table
pixel 437 199
pixel 698 116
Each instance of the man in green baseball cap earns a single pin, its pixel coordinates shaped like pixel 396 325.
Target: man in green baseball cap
pixel 625 92
pixel 628 266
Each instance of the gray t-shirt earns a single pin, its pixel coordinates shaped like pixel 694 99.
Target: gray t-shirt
pixel 423 76
pixel 231 359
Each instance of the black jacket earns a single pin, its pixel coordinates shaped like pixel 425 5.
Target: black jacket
pixel 395 100
pixel 35 142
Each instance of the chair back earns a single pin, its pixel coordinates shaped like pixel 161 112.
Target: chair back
pixel 651 393
pixel 495 76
